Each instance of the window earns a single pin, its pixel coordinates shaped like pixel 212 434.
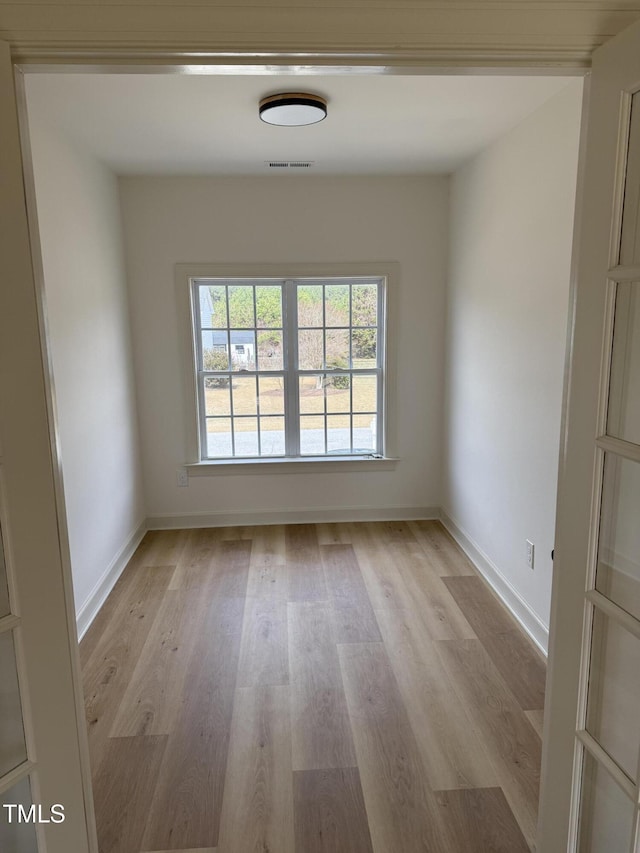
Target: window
pixel 289 368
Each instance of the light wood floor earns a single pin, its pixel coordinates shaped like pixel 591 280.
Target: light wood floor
pixel 329 688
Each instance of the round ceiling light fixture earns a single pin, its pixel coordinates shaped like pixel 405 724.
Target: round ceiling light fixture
pixel 293 109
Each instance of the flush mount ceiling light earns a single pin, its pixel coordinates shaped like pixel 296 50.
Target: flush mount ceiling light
pixel 293 109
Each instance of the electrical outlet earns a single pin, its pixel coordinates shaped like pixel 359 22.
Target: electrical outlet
pixel 182 477
pixel 530 553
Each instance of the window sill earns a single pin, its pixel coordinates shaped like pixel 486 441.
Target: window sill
pixel 212 467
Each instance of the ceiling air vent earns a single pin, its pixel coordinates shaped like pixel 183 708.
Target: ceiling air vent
pixel 290 164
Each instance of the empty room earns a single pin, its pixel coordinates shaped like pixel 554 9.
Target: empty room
pixel 307 385
pixel 292 365
pixel 319 434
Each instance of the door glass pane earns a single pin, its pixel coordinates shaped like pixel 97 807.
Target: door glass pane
pixel 618 573
pixel 13 749
pixel 606 814
pixel 630 241
pixel 4 589
pixel 15 836
pixel 623 420
pixel 614 692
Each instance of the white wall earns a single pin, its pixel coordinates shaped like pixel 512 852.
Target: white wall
pixel 80 230
pixel 283 219
pixel 510 246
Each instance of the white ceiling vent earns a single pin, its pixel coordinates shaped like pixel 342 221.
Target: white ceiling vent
pixel 290 164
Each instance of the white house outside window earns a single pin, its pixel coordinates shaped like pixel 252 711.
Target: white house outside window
pixel 289 368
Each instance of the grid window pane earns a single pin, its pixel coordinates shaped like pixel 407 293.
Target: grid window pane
pixel 259 381
pixel 243 350
pixel 312 436
pixel 364 348
pixel 311 390
pixel 219 442
pixel 337 349
pixel 270 350
pixel 217 394
pixel 310 349
pixel 310 305
pixel 245 433
pixel 271 395
pixel 272 436
pixel 241 307
pixel 17 836
pixel 215 350
pixel 338 434
pixel 364 305
pixel 13 748
pixel 336 304
pixel 245 395
pixel 364 434
pixel 213 306
pixel 269 307
pixel 365 393
pixel 338 393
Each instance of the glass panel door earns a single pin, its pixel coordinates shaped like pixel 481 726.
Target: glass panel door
pixel 608 736
pixel 16 835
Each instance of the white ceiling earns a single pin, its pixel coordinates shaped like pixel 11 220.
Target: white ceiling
pixel 171 124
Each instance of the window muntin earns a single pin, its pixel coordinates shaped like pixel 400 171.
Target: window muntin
pixel 289 368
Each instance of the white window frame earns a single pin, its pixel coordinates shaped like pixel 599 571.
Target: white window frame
pixel 386 273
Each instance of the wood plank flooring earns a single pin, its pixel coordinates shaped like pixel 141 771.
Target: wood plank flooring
pixel 330 688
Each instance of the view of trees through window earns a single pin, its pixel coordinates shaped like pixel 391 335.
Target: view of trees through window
pixel 247 377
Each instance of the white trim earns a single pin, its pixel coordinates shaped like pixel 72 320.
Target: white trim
pixel 518 607
pixel 294 465
pixel 184 273
pixel 99 594
pixel 315 515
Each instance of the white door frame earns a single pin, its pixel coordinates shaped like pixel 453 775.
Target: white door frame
pixel 33 527
pixel 99 61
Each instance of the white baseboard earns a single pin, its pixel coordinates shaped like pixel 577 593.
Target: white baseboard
pixel 98 595
pixel 530 621
pixel 292 516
